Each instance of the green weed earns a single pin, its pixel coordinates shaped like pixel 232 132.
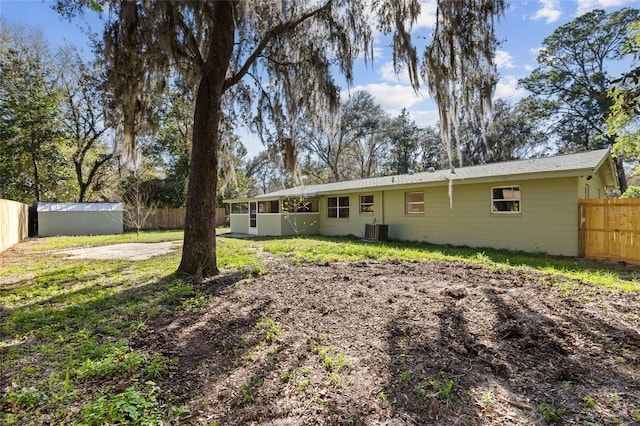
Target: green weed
pixel 159 365
pixel 247 397
pixel 589 402
pixel 551 414
pixel 119 360
pixel 196 303
pixel 302 378
pixel 133 406
pixel 302 384
pixel 487 398
pixel 335 379
pixel 26 398
pixel 273 329
pixel 330 360
pixel 420 391
pixel 635 413
pixel 446 389
pixel 405 377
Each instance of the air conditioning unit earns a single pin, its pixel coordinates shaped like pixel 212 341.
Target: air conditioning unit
pixel 376 232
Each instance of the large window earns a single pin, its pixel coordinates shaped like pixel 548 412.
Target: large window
pixel 505 200
pixel 414 202
pixel 338 207
pixel 299 205
pixel 366 204
pixel 269 206
pixel 239 208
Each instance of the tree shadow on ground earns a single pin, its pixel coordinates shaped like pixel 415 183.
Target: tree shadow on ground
pixel 525 360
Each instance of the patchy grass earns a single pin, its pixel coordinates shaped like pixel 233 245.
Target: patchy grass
pixel 66 325
pixel 331 249
pixel 59 243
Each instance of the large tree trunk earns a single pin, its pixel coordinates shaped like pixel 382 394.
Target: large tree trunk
pixel 199 249
pixel 36 178
pixel 622 176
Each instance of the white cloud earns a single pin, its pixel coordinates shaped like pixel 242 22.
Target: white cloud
pixel 388 74
pixel 425 118
pixel 378 53
pixel 529 68
pixel 391 97
pixel 504 59
pixel 427 17
pixel 550 11
pixel 585 6
pixel 507 88
pixel 535 51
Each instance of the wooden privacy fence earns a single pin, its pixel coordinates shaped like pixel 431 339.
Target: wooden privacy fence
pixel 14 223
pixel 174 218
pixel 609 229
pixel 166 219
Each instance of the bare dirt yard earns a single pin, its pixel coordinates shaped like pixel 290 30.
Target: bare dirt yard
pixel 395 343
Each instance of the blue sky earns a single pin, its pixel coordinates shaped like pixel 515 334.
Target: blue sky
pixel 523 27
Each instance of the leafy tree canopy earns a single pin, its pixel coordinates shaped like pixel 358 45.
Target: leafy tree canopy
pixel 32 162
pixel 569 86
pixel 272 64
pixel 624 120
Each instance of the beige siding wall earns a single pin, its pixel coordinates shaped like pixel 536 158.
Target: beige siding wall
pixel 269 224
pixel 306 223
pixel 356 222
pixel 548 222
pixel 14 223
pixel 239 223
pixel 591 188
pixel 79 223
pixel 274 224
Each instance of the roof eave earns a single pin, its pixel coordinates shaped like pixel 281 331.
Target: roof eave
pixel 466 181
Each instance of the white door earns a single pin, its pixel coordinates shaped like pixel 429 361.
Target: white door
pixel 253 218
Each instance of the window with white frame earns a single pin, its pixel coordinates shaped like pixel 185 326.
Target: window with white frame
pixel 366 204
pixel 338 207
pixel 414 202
pixel 505 200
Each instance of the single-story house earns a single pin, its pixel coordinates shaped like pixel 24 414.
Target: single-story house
pixel 529 205
pixel 79 218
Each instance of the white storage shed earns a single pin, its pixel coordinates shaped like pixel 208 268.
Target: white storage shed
pixel 79 219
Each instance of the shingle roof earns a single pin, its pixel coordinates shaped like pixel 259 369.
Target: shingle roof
pixel 561 165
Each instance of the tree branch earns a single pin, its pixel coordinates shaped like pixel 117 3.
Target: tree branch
pixel 270 35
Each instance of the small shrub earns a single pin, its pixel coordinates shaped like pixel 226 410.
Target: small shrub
pixel 631 192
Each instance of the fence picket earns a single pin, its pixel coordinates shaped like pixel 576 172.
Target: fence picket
pixel 174 218
pixel 610 229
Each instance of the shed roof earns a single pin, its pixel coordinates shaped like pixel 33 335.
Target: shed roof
pixel 580 164
pixel 80 207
